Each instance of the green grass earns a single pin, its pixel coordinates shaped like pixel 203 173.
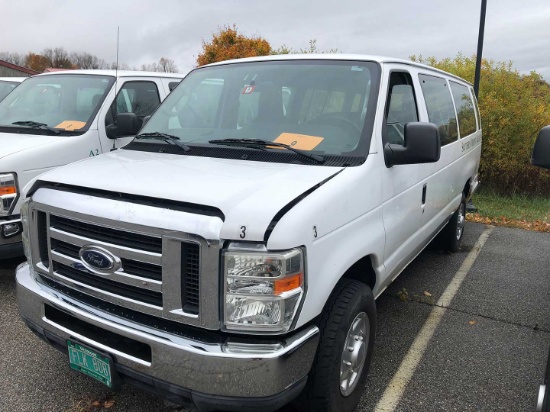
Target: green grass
pixel 491 205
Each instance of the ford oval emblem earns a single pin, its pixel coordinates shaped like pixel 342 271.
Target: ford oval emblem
pixel 98 259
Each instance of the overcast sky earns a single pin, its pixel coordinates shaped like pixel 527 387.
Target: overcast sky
pixel 516 31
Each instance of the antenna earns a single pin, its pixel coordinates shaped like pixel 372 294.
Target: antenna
pixel 116 73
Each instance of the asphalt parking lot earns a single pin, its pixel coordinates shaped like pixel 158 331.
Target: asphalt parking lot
pixel 487 353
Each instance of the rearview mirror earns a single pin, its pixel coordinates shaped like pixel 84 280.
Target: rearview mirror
pixel 421 145
pixel 127 124
pixel 541 150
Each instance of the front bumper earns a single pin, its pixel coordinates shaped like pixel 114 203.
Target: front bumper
pixel 266 374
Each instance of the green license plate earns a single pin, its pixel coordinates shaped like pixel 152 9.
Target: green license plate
pixel 89 362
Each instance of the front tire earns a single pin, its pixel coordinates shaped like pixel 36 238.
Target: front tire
pixel 339 373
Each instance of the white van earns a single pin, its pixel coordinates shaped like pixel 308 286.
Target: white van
pixel 231 254
pixel 57 118
pixel 7 84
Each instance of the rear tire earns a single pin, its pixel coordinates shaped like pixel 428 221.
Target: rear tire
pixel 339 373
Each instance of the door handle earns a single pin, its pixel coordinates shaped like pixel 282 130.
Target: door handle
pixel 424 194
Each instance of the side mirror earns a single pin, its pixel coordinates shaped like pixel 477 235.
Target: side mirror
pixel 127 124
pixel 421 145
pixel 541 150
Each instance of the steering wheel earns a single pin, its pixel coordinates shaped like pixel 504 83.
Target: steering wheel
pixel 338 120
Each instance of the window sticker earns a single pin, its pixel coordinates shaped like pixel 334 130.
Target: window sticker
pixel 71 125
pixel 248 89
pixel 299 141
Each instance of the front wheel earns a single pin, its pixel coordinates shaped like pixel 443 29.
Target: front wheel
pixel 348 325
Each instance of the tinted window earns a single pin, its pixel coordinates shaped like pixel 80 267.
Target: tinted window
pixel 400 108
pixel 440 107
pixel 476 107
pixel 464 109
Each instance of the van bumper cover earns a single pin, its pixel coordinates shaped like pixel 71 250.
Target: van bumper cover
pixel 182 370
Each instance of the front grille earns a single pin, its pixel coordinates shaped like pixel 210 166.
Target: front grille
pixel 190 277
pixel 96 281
pixel 132 267
pixel 105 234
pixel 151 275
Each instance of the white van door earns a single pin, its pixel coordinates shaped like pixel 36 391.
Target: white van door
pixel 404 187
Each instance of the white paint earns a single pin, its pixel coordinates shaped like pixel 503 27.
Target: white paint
pixel 395 389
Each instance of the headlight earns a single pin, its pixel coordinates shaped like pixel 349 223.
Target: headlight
pixel 8 193
pixel 25 234
pixel 262 290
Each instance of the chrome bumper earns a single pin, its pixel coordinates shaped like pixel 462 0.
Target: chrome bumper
pixel 246 368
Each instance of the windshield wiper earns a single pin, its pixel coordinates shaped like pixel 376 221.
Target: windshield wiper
pixel 267 143
pixel 36 125
pixel 165 137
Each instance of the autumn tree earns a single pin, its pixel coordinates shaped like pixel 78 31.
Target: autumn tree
pixel 514 107
pixel 228 44
pixel 36 62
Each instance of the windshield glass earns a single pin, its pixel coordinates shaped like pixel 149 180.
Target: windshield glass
pixel 65 102
pixel 318 106
pixel 6 88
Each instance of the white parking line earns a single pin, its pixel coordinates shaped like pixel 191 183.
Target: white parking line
pixel 395 389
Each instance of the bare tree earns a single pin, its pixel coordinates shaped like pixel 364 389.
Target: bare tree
pixel 85 60
pixel 13 58
pixel 164 65
pixel 58 58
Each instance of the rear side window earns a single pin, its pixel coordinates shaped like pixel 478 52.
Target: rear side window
pixel 464 109
pixel 439 104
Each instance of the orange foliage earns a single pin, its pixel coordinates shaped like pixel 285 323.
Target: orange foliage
pixel 36 62
pixel 229 44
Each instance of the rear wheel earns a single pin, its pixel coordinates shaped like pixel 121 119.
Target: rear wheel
pixel 348 325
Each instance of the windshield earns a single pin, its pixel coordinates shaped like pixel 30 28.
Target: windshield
pixel 6 88
pixel 65 102
pixel 319 106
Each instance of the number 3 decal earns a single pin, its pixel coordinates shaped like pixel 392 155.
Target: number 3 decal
pixel 243 232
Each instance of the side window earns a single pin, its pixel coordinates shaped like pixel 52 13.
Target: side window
pixel 464 109
pixel 400 107
pixel 439 104
pixel 476 107
pixel 139 97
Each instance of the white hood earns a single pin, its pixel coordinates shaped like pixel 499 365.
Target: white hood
pixel 11 143
pixel 248 193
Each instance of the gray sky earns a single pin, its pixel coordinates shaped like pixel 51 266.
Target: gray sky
pixel 517 31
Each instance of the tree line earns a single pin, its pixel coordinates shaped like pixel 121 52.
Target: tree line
pixel 59 58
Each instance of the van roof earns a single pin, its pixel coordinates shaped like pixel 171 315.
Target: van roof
pixel 338 56
pixel 119 74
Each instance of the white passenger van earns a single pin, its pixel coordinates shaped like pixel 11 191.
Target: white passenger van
pixel 57 118
pixel 231 254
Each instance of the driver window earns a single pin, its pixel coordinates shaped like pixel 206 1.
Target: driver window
pixel 401 107
pixel 140 98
